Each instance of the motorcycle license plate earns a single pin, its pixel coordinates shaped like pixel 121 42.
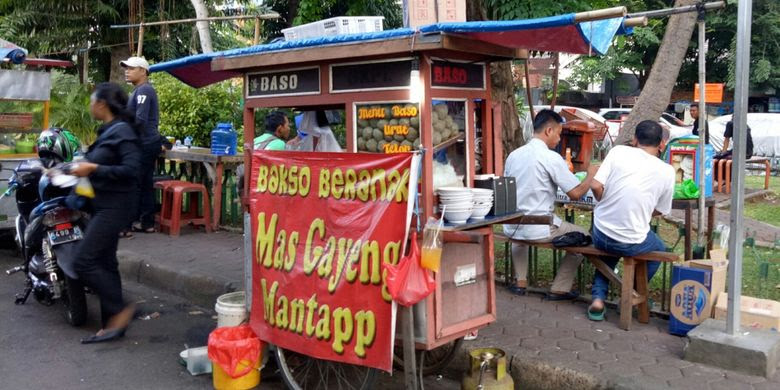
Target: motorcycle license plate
pixel 62 236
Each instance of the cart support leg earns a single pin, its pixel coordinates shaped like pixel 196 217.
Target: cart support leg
pixel 407 332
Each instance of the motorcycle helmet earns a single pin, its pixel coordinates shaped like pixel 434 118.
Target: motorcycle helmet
pixel 57 145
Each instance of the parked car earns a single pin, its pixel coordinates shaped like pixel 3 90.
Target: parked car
pixel 615 117
pixel 764 128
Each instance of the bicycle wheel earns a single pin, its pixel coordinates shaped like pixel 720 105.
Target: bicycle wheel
pixel 435 360
pixel 301 372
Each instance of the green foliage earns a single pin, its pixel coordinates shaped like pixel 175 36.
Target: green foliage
pixel 70 107
pixel 195 112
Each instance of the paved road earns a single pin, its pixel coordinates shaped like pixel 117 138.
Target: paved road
pixel 40 350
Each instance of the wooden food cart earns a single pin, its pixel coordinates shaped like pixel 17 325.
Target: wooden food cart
pixel 17 129
pixel 405 90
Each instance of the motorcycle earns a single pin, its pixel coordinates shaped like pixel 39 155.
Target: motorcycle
pixel 48 229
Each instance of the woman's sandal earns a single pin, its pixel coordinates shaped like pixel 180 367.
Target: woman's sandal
pixel 107 335
pixel 125 234
pixel 517 290
pixel 597 315
pixel 139 229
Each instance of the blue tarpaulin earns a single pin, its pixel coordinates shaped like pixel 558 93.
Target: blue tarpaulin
pixel 555 34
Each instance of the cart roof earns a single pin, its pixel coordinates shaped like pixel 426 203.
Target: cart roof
pixel 495 39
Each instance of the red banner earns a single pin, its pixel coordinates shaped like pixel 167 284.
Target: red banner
pixel 322 225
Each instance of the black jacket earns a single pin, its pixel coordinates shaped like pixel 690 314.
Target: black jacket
pixel 118 155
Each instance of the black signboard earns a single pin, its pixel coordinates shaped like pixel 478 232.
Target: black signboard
pixel 284 83
pixel 375 75
pixel 457 75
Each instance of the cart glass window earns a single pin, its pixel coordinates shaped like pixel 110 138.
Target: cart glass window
pixel 448 119
pixel 387 127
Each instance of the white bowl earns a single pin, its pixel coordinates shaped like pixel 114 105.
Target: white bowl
pixel 456 197
pixel 453 216
pixel 479 213
pixel 481 191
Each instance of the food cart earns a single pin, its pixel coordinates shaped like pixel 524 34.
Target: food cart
pixel 17 129
pixel 405 90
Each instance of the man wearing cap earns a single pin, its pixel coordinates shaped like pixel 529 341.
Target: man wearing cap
pixel 143 103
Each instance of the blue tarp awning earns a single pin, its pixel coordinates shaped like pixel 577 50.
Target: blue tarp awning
pixel 554 34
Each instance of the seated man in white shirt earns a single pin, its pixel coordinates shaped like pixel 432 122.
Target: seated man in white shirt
pixel 632 185
pixel 539 172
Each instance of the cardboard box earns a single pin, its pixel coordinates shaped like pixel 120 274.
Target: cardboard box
pixel 695 284
pixel 423 12
pixel 755 313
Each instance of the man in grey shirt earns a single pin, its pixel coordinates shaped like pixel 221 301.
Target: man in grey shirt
pixel 539 172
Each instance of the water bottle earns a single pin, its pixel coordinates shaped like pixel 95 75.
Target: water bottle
pixel 224 140
pixel 188 141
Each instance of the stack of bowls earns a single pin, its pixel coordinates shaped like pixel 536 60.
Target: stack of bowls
pixel 457 203
pixel 482 202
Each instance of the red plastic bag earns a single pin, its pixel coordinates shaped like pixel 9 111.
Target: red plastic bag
pixel 408 282
pixel 229 345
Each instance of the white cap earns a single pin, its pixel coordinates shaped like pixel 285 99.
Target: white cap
pixel 135 62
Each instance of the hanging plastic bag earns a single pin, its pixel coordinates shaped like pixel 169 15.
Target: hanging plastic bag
pixel 686 190
pixel 408 282
pixel 230 345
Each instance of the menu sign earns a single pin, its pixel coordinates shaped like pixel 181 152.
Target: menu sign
pixel 374 75
pixel 284 83
pixel 457 75
pixel 388 128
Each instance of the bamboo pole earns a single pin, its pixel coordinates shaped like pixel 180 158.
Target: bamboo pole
pixel 272 15
pixel 599 14
pixel 528 88
pixel 45 121
pixel 140 49
pixel 256 40
pixel 677 10
pixel 635 22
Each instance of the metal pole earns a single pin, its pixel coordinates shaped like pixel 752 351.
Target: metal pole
pixel 701 230
pixel 407 337
pixel 738 165
pixel 271 15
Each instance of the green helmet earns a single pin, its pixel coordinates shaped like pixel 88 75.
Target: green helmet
pixel 58 144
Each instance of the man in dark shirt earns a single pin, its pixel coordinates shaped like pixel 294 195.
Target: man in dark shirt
pixel 695 116
pixel 143 103
pixel 725 153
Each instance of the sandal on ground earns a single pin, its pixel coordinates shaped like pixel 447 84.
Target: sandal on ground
pixel 140 229
pixel 594 315
pixel 125 234
pixel 516 290
pixel 571 295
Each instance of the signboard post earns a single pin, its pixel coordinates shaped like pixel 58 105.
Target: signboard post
pixel 323 227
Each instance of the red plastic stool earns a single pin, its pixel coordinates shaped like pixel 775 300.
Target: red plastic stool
pixel 171 216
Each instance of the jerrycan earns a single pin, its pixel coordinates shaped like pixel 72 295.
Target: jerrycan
pixel 488 371
pixel 224 140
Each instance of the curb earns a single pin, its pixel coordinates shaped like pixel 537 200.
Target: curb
pixel 198 289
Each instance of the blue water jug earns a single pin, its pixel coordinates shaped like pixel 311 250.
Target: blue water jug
pixel 223 140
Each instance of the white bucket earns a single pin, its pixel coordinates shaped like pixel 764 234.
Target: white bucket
pixel 231 309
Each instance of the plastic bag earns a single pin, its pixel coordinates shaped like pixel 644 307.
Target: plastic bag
pixel 408 282
pixel 686 190
pixel 230 345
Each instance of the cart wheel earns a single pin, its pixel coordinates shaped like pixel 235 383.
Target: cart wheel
pixel 436 359
pixel 301 372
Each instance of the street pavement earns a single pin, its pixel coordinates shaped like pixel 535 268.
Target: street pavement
pixel 550 345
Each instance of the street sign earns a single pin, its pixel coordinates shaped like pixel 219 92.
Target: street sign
pixel 713 92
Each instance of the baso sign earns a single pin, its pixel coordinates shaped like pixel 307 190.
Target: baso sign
pixel 292 82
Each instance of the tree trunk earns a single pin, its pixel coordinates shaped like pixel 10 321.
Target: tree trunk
pixel 117 73
pixel 203 27
pixel 657 90
pixel 502 90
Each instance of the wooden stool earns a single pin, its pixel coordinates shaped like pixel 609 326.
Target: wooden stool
pixel 171 217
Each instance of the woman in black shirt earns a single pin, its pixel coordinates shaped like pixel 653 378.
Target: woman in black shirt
pixel 112 163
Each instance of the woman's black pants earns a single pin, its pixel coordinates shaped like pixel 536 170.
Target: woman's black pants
pixel 96 263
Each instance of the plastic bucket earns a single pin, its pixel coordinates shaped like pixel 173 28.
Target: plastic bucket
pixel 223 381
pixel 231 309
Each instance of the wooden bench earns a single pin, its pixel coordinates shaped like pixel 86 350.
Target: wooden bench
pixel 721 174
pixel 633 284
